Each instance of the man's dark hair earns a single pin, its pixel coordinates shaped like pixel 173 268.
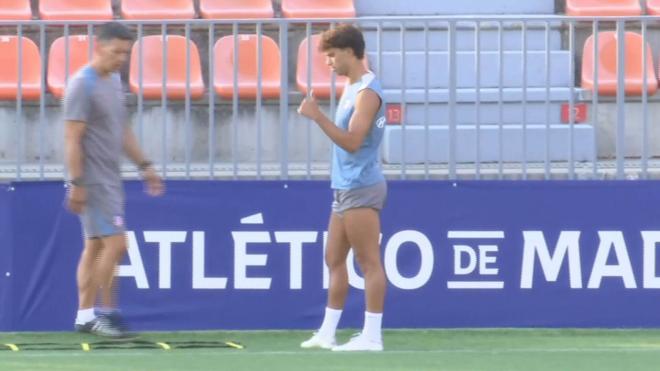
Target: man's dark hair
pixel 113 30
pixel 342 37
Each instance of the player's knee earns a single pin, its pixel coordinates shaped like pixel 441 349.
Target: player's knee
pixel 334 262
pixel 368 263
pixel 122 249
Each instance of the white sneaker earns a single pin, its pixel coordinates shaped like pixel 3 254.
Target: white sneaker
pixel 318 341
pixel 359 342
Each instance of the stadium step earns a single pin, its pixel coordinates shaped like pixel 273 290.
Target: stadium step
pixel 489 148
pixel 512 69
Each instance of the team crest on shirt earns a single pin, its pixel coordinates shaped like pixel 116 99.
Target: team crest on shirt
pixel 119 221
pixel 380 123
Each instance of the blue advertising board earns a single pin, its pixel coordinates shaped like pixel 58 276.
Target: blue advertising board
pixel 249 255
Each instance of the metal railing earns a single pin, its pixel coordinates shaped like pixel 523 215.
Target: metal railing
pixel 260 138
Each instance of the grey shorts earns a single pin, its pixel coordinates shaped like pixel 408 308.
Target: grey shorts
pixel 370 197
pixel 103 215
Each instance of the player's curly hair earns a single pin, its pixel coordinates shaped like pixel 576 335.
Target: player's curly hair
pixel 343 36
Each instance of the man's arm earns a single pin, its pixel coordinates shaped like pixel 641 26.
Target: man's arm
pixel 366 107
pixel 74 133
pixel 132 149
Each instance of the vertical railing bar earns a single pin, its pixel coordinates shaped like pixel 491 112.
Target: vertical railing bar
pixel 66 70
pixel 645 134
pixel 595 98
pixel 620 99
pixel 379 58
pixel 524 98
pixel 427 78
pixel 571 104
pixel 163 100
pixel 42 98
pixel 477 108
pixel 234 121
pixel 19 105
pixel 211 90
pixel 259 96
pixel 187 101
pixel 140 97
pixel 548 82
pixel 308 128
pixel 402 72
pixel 452 101
pixel 284 101
pixel 500 97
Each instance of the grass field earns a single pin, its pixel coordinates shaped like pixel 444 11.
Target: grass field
pixel 482 349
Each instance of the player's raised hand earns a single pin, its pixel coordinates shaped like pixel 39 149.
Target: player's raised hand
pixel 309 107
pixel 154 183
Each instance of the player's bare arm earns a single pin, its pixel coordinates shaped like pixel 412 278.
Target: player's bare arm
pixel 132 149
pixel 366 106
pixel 74 133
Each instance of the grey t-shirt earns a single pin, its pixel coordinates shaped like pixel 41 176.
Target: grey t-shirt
pixel 99 102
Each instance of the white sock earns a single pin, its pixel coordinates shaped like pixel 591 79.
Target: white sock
pixel 330 321
pixel 85 315
pixel 372 326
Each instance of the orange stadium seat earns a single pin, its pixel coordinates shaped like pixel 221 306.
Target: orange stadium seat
pixel 17 10
pixel 236 9
pixel 653 7
pixel 79 47
pixel 607 65
pixel 321 73
pixel 603 7
pixel 71 10
pixel 152 78
pixel 30 62
pixel 318 8
pixel 160 9
pixel 247 67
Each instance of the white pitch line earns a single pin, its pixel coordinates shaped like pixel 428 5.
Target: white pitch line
pixel 110 353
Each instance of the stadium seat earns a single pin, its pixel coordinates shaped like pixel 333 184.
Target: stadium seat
pixel 70 10
pixel 79 47
pixel 16 10
pixel 247 67
pixel 152 78
pixel 31 64
pixel 161 9
pixel 653 7
pixel 321 74
pixel 236 9
pixel 318 8
pixel 603 7
pixel 607 64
